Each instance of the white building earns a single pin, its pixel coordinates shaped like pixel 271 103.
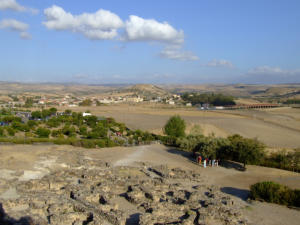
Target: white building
pixel 86 114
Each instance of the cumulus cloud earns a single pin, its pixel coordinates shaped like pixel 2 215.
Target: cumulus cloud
pixel 139 29
pixel 100 25
pixel 104 24
pixel 220 63
pixel 15 6
pixel 176 53
pixel 268 70
pixel 16 26
pixel 150 30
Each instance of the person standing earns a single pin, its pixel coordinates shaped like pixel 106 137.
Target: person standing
pixel 204 163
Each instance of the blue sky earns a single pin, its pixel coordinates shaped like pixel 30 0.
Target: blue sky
pixel 134 41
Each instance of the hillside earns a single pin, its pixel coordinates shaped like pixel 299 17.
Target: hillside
pixel 145 90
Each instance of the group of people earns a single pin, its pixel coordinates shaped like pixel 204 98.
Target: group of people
pixel 207 162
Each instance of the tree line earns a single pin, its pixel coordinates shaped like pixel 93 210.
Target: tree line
pixel 234 147
pixel 208 98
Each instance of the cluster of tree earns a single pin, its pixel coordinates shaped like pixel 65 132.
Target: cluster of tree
pixel 86 102
pixel 45 113
pixel 235 147
pixel 275 193
pixel 292 101
pixel 69 126
pixel 283 160
pixel 208 98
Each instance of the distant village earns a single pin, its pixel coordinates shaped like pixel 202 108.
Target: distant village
pixel 70 100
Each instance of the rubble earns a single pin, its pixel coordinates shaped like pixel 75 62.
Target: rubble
pixel 96 193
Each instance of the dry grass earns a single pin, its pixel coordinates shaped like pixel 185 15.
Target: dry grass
pixel 277 128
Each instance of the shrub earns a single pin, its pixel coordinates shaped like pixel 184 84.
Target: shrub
pixel 275 193
pixel 283 160
pixel 56 133
pixel 168 140
pixel 88 143
pixel 42 132
pixel 10 131
pixel 175 127
pixel 83 130
pixel 31 123
pixel 190 142
pixel 68 131
pixel 1 132
pixel 101 143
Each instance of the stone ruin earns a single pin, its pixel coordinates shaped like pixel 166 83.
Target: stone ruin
pixel 94 193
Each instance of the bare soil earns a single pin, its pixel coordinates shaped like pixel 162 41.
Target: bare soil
pixel 25 162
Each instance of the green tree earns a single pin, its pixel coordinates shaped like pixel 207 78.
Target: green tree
pixel 86 102
pixel 246 150
pixel 53 122
pixel 83 130
pixel 53 111
pixel 56 133
pixel 36 114
pixel 31 123
pixel 91 120
pixel 69 130
pixel 42 132
pixel 175 127
pixel 97 132
pixel 29 102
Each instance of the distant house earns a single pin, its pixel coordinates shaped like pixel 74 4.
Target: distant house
pixel 86 114
pixel 219 107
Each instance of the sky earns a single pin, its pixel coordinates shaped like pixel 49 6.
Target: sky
pixel 136 41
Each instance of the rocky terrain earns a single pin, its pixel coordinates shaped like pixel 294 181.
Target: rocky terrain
pixel 92 191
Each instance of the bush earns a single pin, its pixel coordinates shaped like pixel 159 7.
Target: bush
pixel 42 132
pixel 283 160
pixel 32 123
pixel 56 133
pixel 168 140
pixel 68 131
pixel 10 131
pixel 275 193
pixel 88 143
pixel 1 132
pixel 175 127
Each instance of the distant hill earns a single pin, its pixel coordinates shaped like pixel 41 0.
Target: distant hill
pixel 146 90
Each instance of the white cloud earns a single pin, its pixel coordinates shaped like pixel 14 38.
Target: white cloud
pixel 15 6
pixel 220 63
pixel 104 24
pixel 17 26
pixel 139 29
pixel 177 53
pixel 150 30
pixel 268 70
pixel 100 25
